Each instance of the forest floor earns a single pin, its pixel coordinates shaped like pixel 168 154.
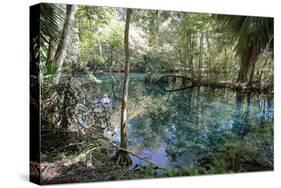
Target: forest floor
pixel 67 171
pixel 96 164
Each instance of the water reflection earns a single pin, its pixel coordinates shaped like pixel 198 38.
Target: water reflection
pixel 186 127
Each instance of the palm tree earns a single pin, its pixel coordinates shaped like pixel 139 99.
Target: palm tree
pixel 64 39
pixel 49 37
pixel 45 21
pixel 51 19
pixel 252 35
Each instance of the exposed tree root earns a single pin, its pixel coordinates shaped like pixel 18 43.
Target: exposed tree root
pixel 129 152
pixel 123 158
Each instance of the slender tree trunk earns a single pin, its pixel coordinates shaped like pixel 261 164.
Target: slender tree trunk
pixel 111 55
pixel 65 40
pixel 189 45
pixel 100 48
pixel 183 63
pixel 123 157
pixel 156 30
pixel 209 54
pixel 53 45
pixel 225 63
pixel 200 56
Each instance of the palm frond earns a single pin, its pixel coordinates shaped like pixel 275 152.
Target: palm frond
pixel 249 33
pixel 51 18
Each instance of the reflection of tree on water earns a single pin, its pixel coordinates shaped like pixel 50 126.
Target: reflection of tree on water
pixel 200 126
pixel 241 125
pixel 196 125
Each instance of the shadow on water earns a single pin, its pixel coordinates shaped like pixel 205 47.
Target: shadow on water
pixel 193 126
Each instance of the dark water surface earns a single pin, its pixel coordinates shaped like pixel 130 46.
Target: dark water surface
pixel 177 129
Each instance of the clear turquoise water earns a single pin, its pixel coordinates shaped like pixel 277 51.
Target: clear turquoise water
pixel 186 127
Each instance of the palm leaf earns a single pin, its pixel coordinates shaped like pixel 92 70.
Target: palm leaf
pixel 51 17
pixel 249 33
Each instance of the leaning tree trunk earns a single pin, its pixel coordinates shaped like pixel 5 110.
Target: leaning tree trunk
pixel 65 40
pixel 53 45
pixel 123 156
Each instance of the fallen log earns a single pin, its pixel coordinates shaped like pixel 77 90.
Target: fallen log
pixel 234 86
pixel 182 83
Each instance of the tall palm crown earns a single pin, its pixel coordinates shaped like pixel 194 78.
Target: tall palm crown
pixel 252 35
pixel 51 20
pixel 45 24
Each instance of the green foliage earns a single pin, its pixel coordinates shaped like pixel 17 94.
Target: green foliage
pixel 201 131
pixel 90 30
pixel 51 17
pixel 256 32
pixel 156 65
pixel 49 72
pixel 171 40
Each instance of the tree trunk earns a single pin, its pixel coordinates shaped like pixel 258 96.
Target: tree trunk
pixel 123 156
pixel 252 73
pixel 65 40
pixel 111 55
pixel 53 45
pixel 100 48
pixel 261 72
pixel 246 62
pixel 243 72
pixel 200 55
pixel 209 54
pixel 225 63
pixel 189 45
